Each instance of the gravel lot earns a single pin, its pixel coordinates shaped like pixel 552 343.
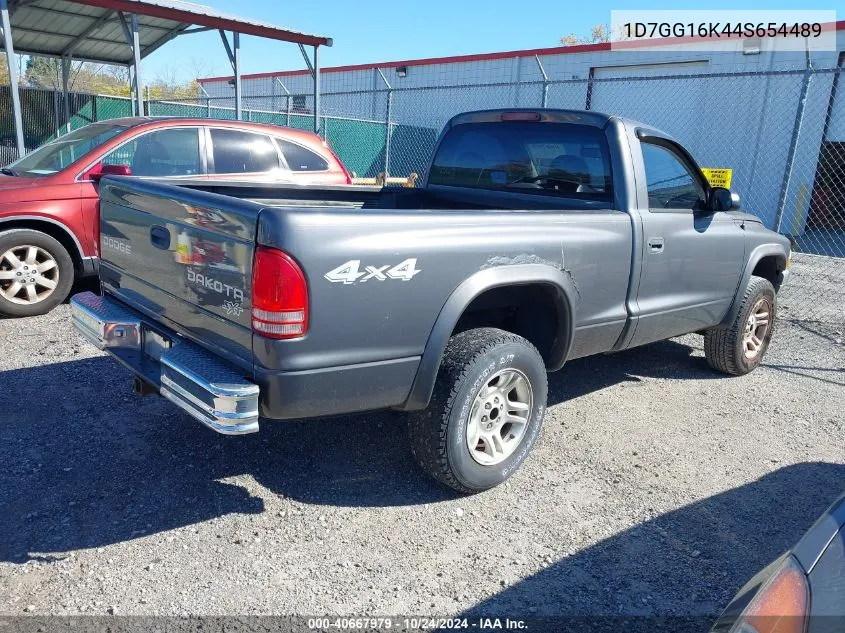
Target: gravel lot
pixel 658 487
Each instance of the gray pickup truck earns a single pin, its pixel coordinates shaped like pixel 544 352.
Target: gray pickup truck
pixel 538 237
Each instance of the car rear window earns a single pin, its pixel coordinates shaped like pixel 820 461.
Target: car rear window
pixel 528 157
pixel 300 159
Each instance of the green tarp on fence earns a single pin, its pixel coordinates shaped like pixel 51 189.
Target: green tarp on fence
pixel 360 144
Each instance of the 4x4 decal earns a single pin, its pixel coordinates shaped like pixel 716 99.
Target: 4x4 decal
pixel 350 272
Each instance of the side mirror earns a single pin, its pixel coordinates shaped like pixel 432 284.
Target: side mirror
pixel 722 199
pixel 99 170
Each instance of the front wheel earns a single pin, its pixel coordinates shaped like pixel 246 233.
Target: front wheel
pixel 485 413
pixel 36 273
pixel 738 349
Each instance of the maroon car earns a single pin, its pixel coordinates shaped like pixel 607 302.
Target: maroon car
pixel 48 199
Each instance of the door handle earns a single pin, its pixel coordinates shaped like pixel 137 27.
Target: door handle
pixel 160 237
pixel 655 244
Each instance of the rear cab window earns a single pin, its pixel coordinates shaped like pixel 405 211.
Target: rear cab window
pixel 543 158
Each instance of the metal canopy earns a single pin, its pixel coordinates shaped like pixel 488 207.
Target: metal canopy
pixel 123 32
pixel 91 30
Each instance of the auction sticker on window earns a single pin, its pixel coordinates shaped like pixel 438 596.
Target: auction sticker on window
pixel 718 176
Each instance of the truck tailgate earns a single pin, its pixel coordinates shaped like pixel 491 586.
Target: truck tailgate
pixel 182 257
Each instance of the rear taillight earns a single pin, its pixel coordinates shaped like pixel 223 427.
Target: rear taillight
pixel 279 295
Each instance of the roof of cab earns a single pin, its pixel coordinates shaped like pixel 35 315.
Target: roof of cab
pixel 579 117
pixel 576 117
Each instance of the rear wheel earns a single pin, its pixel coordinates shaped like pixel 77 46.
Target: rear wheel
pixel 485 413
pixel 738 349
pixel 36 273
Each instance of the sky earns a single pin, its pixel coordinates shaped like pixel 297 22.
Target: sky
pixel 367 32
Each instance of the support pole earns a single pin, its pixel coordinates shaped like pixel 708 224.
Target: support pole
pixel 235 60
pixel 287 98
pixel 207 101
pixel 388 132
pixel 545 82
pixel 237 64
pixel 14 87
pixel 316 92
pixel 793 148
pixel 136 56
pixel 56 113
pixel 588 103
pixel 66 89
pixel 314 68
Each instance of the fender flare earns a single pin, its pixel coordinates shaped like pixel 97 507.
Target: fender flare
pixel 764 250
pixel 462 297
pixel 46 220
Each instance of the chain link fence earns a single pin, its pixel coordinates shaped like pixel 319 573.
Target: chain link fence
pixel 782 133
pixel 45 116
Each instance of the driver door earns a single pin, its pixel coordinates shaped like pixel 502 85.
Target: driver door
pixel 692 258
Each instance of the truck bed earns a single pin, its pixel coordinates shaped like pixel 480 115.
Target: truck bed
pixel 183 255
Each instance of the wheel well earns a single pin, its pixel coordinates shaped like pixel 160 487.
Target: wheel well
pixel 530 311
pixel 770 268
pixel 53 230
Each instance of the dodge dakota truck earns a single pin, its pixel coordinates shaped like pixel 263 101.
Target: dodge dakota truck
pixel 539 236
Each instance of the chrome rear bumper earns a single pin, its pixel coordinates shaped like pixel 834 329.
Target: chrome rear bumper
pixel 212 391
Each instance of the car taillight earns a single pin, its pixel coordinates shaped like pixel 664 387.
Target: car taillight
pixel 781 606
pixel 279 295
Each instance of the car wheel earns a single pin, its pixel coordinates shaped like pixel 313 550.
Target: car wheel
pixel 739 348
pixel 36 273
pixel 485 413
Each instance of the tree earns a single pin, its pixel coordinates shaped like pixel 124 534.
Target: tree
pixel 46 73
pixel 4 69
pixel 105 79
pixel 599 34
pixel 168 85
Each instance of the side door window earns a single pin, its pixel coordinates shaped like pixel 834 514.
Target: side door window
pixel 299 158
pixel 669 181
pixel 163 153
pixel 237 152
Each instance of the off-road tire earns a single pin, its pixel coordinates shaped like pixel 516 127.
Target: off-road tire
pixel 723 346
pixel 438 434
pixel 17 237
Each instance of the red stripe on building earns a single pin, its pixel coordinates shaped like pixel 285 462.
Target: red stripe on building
pixel 456 59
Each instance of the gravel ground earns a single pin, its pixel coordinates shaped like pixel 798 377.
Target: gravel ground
pixel 658 487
